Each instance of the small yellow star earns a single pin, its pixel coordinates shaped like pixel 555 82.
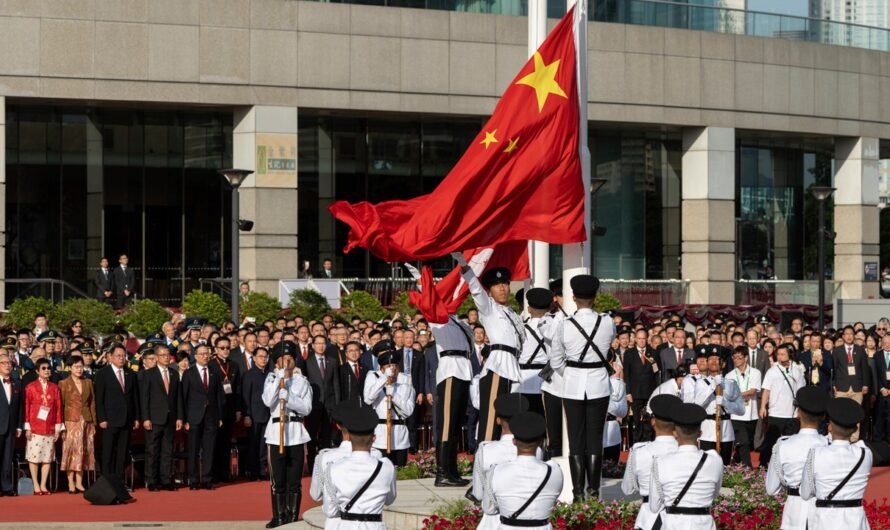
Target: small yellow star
pixel 489 138
pixel 543 80
pixel 511 145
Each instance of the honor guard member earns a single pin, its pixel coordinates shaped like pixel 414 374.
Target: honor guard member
pixel 289 397
pixel 533 357
pixel 790 455
pixel 671 387
pixel 638 471
pixel 685 483
pixel 392 396
pixel 577 354
pixel 359 485
pixel 837 475
pixel 551 386
pixel 523 492
pixel 504 329
pixel 712 391
pixel 617 410
pixel 492 453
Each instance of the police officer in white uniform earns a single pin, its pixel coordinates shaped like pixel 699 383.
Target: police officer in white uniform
pixel 361 484
pixel 551 387
pixel 533 358
pixel 790 454
pixel 617 410
pixel 837 475
pixel 577 353
pixel 392 395
pixel 639 463
pixel 289 397
pixel 671 387
pixel 506 335
pixel 702 390
pixel 522 493
pixel 685 483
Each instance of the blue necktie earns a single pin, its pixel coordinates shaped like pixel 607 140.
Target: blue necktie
pixel 408 360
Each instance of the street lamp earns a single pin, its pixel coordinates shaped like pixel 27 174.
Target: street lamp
pixel 236 178
pixel 821 194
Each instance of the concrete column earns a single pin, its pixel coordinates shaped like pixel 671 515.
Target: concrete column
pixel 708 216
pixel 265 141
pixel 2 202
pixel 857 244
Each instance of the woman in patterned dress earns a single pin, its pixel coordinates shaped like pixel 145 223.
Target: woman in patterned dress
pixel 43 424
pixel 80 425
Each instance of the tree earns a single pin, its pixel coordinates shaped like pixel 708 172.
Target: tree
pixel 205 304
pixel 260 306
pixel 144 317
pixel 363 305
pixel 308 303
pixel 22 311
pixel 96 316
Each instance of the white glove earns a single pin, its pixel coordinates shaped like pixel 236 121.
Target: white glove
pixel 459 258
pixel 719 401
pixel 412 270
pixel 282 394
pixel 390 390
pixel 279 373
pixel 718 379
pixel 388 372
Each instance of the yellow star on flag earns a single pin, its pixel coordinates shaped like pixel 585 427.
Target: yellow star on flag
pixel 543 80
pixel 489 138
pixel 511 145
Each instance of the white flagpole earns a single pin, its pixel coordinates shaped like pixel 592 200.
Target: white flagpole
pixel 538 251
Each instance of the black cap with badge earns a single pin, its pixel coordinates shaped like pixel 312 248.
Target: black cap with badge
pixel 528 427
pixel 585 286
pixel 495 276
pixel 283 348
pixel 10 343
pixel 688 415
pixel 812 400
pixel 359 420
pixel 539 298
pixel 845 412
pixel 663 406
pixel 508 405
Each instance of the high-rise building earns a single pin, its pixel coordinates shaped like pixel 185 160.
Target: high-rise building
pixel 865 12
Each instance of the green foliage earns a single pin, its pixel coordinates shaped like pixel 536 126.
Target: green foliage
pixel 22 312
pixel 97 317
pixel 362 305
pixel 451 510
pixel 403 306
pixel 606 302
pixel 206 304
pixel 410 471
pixel 259 305
pixel 144 317
pixel 308 303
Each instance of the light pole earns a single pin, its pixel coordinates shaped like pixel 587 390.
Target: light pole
pixel 821 193
pixel 235 178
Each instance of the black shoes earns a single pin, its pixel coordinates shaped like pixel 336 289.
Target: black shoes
pixel 577 467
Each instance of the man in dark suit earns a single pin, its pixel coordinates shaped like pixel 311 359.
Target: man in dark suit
pixel 477 361
pixel 11 421
pixel 882 391
pixel 369 362
pixel 412 365
pixel 124 281
pixel 642 376
pixel 851 372
pixel 321 371
pixel 116 410
pixel 675 355
pixel 203 401
pixel 104 282
pixel 431 364
pixel 161 418
pixel 818 364
pixel 351 375
pixel 757 357
pixel 230 375
pixel 256 416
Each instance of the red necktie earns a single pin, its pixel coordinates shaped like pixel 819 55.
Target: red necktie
pixel 849 355
pixel 166 381
pixel 305 352
pixel 6 381
pixel 120 379
pixel 204 378
pixel 679 357
pixel 358 374
pixel 643 357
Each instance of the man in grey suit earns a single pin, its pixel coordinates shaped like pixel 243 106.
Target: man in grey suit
pixel 757 358
pixel 675 355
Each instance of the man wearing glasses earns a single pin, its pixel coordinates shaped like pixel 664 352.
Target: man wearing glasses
pixel 229 373
pixel 116 410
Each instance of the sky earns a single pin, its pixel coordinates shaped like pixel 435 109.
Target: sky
pixel 784 7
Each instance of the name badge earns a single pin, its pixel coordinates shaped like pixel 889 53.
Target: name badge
pixel 43 413
pixel 887 375
pixel 654 368
pixel 851 370
pixel 227 388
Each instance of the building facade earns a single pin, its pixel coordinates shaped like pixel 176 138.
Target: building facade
pixel 117 114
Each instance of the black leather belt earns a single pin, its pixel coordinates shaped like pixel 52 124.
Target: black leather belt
pixel 851 503
pixel 503 347
pixel 454 353
pixel 714 417
pixel 533 366
pixel 684 510
pixel 576 364
pixel 288 419
pixel 364 517
pixel 523 523
pixel 610 417
pixel 645 498
pixel 394 422
pixel 793 492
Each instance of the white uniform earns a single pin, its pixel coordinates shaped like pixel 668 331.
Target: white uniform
pixel 750 380
pixel 502 325
pixel 668 388
pixel 825 468
pixel 453 335
pixel 299 403
pixel 508 486
pixel 490 454
pixel 324 458
pixel 534 355
pixel 701 391
pixel 618 409
pixel 785 471
pixel 670 473
pixel 638 471
pixel 403 396
pixel 581 383
pixel 342 480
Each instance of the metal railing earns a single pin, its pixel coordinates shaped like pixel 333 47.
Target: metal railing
pixel 220 286
pixel 647 292
pixel 385 289
pixel 779 292
pixel 51 288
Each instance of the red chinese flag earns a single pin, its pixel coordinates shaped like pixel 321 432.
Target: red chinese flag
pixel 520 179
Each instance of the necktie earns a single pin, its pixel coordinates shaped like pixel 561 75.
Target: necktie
pixel 357 370
pixel 321 366
pixel 679 357
pixel 204 378
pixel 120 379
pixel 305 352
pixel 850 354
pixel 408 360
pixel 166 381
pixel 6 381
pixel 249 362
pixel 643 357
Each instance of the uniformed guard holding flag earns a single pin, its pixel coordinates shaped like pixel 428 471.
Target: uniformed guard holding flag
pixel 790 455
pixel 577 354
pixel 505 331
pixel 685 482
pixel 289 397
pixel 524 491
pixel 638 471
pixel 533 357
pixel 392 396
pixel 715 393
pixel 837 475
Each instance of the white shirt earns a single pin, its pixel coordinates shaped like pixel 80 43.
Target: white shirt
pixel 488 455
pixel 502 325
pixel 750 380
pixel 783 384
pixel 453 335
pixel 824 469
pixel 344 477
pixel 581 383
pixel 701 391
pixel 402 407
pixel 786 470
pixel 509 485
pixel 617 408
pixel 639 470
pixel 299 402
pixel 317 487
pixel 533 355
pixel 671 472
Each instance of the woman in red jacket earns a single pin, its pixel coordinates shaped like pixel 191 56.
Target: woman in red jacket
pixel 43 424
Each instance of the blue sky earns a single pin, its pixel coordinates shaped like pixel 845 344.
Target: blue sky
pixel 785 7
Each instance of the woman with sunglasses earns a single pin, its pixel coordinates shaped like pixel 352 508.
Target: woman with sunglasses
pixel 43 424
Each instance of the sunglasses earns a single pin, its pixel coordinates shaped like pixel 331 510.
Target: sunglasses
pixel 42 368
pixel 223 348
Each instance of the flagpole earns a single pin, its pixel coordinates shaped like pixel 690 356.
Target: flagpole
pixel 538 251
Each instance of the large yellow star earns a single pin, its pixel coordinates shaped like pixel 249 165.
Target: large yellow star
pixel 543 80
pixel 511 145
pixel 489 138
